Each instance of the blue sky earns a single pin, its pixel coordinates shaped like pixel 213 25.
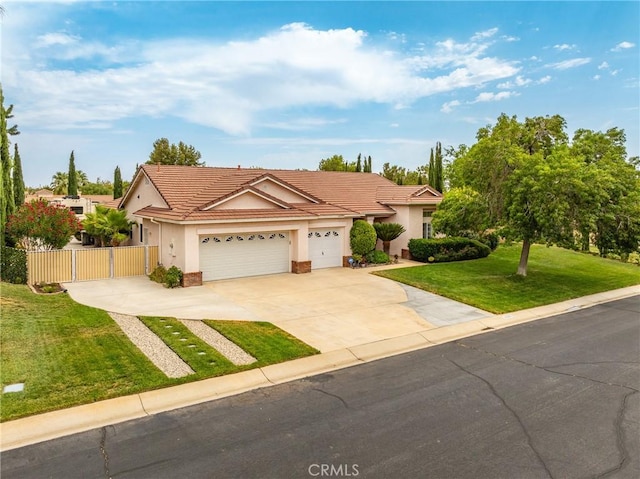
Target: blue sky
pixel 285 84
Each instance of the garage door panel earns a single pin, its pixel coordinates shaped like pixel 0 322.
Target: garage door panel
pixel 240 255
pixel 325 248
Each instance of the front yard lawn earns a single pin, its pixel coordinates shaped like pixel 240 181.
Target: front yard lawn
pixel 554 274
pixel 68 354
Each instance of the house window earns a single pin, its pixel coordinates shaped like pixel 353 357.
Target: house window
pixel 77 209
pixel 427 231
pixel 140 228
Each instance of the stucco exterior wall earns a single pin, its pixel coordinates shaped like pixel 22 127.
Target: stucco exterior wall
pixel 411 218
pixel 278 191
pixel 143 194
pixel 246 201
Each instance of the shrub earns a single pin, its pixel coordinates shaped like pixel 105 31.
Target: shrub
pixel 362 237
pixel 40 225
pixel 377 257
pixel 159 274
pixel 447 249
pixel 490 239
pixel 173 277
pixel 387 232
pixel 13 265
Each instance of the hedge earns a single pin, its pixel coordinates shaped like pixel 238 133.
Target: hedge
pixel 443 250
pixel 13 265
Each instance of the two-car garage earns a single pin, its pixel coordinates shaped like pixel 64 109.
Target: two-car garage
pixel 239 255
pixel 243 254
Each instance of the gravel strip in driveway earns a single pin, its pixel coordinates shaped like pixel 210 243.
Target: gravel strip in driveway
pixel 213 338
pixel 152 346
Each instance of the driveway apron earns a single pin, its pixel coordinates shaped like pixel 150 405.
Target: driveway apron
pixel 328 309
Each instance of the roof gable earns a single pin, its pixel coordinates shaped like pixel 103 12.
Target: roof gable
pixel 246 198
pixel 427 192
pixel 281 189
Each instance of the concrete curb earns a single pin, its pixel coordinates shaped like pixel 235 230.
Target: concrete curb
pixel 43 427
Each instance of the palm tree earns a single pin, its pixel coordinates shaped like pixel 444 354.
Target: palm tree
pixel 109 226
pixel 387 232
pixel 60 181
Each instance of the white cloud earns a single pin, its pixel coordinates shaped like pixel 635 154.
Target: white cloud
pixel 603 66
pixel 573 63
pixel 228 85
pixel 596 77
pixel 565 46
pixel 519 81
pixel 490 96
pixel 484 34
pixel 58 38
pixel 449 106
pixel 508 38
pixel 623 46
pixel 544 79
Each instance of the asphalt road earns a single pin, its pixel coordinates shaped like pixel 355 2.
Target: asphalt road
pixel 555 398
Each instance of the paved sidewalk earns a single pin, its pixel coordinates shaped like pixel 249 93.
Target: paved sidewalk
pixel 34 429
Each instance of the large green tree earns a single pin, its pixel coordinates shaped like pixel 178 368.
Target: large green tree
pixel 462 212
pixel 539 188
pixel 99 187
pixel 18 180
pixel 610 219
pixel 165 153
pixel 72 178
pixel 336 163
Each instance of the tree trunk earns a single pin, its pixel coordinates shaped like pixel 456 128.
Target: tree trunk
pixel 386 246
pixel 585 240
pixel 524 258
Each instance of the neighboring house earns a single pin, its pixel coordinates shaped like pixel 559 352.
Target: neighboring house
pixel 216 223
pixel 80 205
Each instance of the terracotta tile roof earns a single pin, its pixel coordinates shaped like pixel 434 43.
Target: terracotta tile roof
pixel 414 194
pixel 188 190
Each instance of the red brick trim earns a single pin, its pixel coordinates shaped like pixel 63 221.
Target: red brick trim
pixel 192 279
pixel 299 267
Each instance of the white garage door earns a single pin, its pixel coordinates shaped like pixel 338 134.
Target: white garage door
pixel 243 254
pixel 325 248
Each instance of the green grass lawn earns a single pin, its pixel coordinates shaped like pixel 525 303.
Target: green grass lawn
pixel 554 274
pixel 69 354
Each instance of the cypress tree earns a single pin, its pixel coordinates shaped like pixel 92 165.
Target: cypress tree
pixel 438 177
pixel 6 195
pixel 3 140
pixel 72 177
pixel 432 170
pixel 359 164
pixel 18 181
pixel 117 183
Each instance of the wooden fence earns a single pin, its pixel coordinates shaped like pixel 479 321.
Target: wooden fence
pixel 63 266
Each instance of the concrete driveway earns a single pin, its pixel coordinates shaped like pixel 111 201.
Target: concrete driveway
pixel 328 309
